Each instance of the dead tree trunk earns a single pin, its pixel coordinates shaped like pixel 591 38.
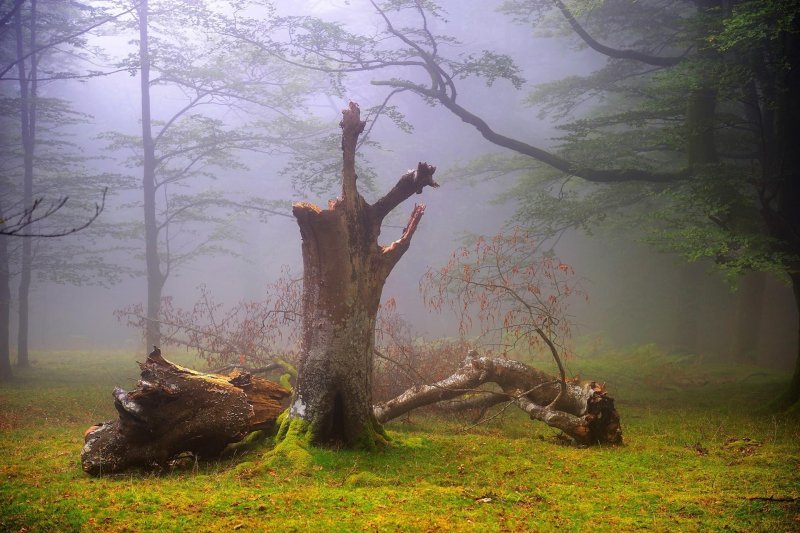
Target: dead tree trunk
pixel 344 270
pixel 584 412
pixel 175 410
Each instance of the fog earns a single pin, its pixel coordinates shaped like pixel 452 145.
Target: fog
pixel 637 293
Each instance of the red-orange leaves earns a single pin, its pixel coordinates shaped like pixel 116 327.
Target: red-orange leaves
pixel 517 295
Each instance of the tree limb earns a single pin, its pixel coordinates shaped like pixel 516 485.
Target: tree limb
pixel 585 413
pixel 412 182
pixel 352 126
pixel 30 216
pixel 393 252
pixel 616 53
pixel 593 175
pixel 65 38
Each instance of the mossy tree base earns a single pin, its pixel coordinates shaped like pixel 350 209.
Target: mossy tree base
pixel 298 433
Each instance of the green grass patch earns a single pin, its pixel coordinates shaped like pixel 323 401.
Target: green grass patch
pixel 700 454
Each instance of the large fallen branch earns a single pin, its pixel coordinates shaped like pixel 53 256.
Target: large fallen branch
pixel 584 412
pixel 174 410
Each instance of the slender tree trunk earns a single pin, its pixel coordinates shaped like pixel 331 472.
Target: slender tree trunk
pixel 749 315
pixel 701 154
pixel 690 293
pixel 27 86
pixel 792 395
pixel 344 272
pixel 155 277
pixel 5 310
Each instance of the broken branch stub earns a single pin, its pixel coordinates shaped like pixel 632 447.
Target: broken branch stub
pixel 175 410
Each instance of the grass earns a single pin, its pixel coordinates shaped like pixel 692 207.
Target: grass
pixel 699 456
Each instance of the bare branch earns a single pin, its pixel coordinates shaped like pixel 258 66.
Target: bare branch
pixel 65 38
pixel 393 252
pixel 412 182
pixel 33 214
pixel 352 126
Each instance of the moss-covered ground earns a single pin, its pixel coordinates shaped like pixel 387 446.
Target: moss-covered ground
pixel 700 455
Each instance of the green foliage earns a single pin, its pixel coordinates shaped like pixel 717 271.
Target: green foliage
pixel 627 114
pixel 752 23
pixel 698 456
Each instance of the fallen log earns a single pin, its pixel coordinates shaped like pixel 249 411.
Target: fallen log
pixel 174 410
pixel 584 411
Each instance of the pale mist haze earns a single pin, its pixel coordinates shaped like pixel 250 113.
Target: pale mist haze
pixel 639 291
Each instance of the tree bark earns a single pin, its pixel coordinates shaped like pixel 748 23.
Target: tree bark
pixel 155 277
pixel 584 412
pixel 344 270
pixel 5 309
pixel 28 90
pixel 176 410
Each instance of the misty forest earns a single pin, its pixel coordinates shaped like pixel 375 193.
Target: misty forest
pixel 339 265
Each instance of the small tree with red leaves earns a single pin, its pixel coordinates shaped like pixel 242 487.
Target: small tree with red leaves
pixel 519 296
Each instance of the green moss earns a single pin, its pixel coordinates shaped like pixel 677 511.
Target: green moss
pixel 292 448
pixel 417 443
pixel 285 382
pixel 507 474
pixel 364 479
pixel 252 442
pixel 372 438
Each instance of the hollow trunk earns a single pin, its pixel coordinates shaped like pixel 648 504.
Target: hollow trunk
pixel 344 270
pixel 175 410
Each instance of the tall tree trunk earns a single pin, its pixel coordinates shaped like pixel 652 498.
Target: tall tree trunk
pixel 749 315
pixel 27 88
pixel 344 272
pixel 782 172
pixel 155 278
pixel 701 154
pixel 5 309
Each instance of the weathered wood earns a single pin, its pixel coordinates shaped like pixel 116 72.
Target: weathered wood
pixel 175 410
pixel 584 412
pixel 344 270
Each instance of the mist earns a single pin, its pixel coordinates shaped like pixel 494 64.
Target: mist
pixel 337 265
pixel 637 293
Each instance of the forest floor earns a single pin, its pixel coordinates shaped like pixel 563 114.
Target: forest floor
pixel 699 455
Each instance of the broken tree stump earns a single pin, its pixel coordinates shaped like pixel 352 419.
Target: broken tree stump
pixel 174 410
